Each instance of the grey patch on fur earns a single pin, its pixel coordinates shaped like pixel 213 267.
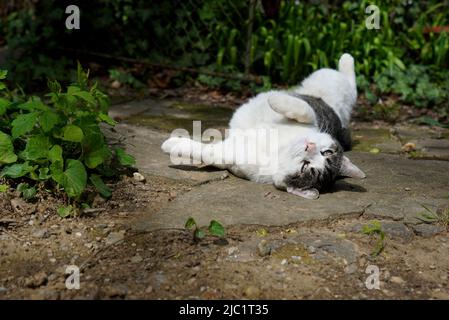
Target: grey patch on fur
pixel 319 179
pixel 327 120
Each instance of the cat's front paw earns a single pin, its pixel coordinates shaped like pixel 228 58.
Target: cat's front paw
pixel 169 144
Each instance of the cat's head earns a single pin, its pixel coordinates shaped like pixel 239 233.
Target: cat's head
pixel 313 164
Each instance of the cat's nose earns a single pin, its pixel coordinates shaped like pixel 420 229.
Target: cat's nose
pixel 310 147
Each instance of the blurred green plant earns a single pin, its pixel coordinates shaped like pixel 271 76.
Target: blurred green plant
pixel 57 142
pixel 125 78
pixel 408 56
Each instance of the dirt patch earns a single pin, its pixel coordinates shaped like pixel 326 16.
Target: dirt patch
pixel 34 239
pixel 326 259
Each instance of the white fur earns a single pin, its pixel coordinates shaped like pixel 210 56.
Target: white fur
pixel 293 119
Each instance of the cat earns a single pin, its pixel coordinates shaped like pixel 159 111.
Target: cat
pixel 311 125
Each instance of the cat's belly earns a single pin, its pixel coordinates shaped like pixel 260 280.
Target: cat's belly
pixel 256 153
pixel 294 130
pixel 251 172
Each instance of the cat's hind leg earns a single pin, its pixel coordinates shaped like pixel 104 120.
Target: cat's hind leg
pixel 292 108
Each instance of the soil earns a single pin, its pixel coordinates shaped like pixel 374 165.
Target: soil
pixel 117 262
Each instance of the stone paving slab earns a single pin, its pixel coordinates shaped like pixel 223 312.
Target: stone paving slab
pixel 132 108
pixel 428 142
pixel 395 188
pixel 169 114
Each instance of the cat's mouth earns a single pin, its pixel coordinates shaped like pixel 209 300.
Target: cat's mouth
pixel 304 166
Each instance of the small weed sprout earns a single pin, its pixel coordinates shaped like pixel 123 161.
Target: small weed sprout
pixel 439 216
pixel 375 228
pixel 215 229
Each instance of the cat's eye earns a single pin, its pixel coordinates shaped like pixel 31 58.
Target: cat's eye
pixel 327 153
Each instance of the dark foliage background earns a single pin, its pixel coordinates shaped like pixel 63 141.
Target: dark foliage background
pixel 407 58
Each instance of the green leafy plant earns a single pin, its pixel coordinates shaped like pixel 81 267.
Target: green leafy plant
pixel 66 211
pixel 430 122
pixel 27 192
pixel 407 57
pixel 57 141
pixel 215 229
pixel 440 216
pixel 374 228
pixel 412 86
pixel 4 187
pixel 125 78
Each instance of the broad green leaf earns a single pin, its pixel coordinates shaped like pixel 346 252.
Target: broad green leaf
pixel 100 186
pixel 55 153
pixel 72 133
pixel 56 170
pixel 22 186
pixel 44 173
pixel 105 118
pixel 97 157
pixel 190 223
pixel 3 74
pixel 48 120
pixel 72 89
pixel 124 158
pixel 86 96
pixel 27 191
pixel 7 154
pixel 33 104
pixel 16 170
pixel 36 148
pixel 76 178
pixel 93 137
pixel 66 211
pixel 4 104
pixel 104 102
pixel 216 229
pixel 73 179
pixel 23 124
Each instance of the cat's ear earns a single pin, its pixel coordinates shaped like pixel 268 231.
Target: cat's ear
pixel 348 169
pixel 311 193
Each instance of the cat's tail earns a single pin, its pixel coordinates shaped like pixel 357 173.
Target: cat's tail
pixel 346 66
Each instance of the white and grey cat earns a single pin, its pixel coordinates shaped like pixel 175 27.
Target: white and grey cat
pixel 311 122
